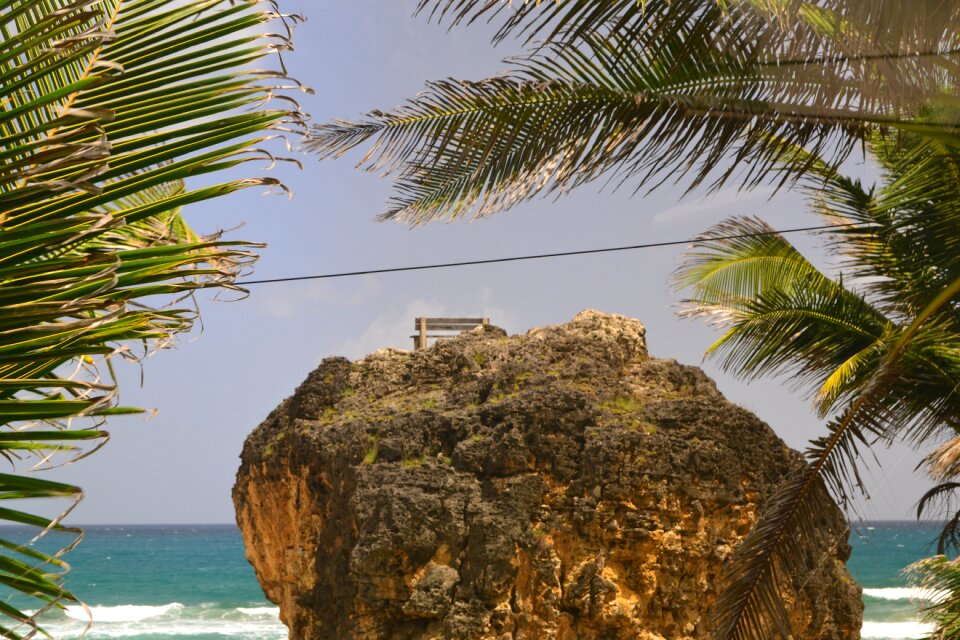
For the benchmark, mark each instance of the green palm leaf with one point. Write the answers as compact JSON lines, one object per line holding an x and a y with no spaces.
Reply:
{"x":783,"y":315}
{"x":949,"y":537}
{"x":571,"y":116}
{"x":902,"y":23}
{"x":633,"y":91}
{"x":941,"y":578}
{"x":110,"y":108}
{"x":767,"y":564}
{"x":888,"y":364}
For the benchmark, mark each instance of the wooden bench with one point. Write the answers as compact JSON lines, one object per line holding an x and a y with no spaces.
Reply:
{"x":424,"y":327}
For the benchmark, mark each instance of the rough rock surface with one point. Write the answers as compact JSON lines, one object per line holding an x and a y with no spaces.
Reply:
{"x":561,"y":484}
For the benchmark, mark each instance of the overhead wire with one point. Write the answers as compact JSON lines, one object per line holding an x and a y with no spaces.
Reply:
{"x":542,"y":256}
{"x":650,"y":245}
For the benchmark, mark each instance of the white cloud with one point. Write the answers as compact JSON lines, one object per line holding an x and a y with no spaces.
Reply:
{"x":726,"y":201}
{"x":392,"y":329}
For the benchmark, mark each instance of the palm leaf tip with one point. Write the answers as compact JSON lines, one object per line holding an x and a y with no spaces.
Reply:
{"x":334,"y":139}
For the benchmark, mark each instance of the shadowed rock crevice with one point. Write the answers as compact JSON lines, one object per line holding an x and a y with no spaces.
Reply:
{"x":560,"y":484}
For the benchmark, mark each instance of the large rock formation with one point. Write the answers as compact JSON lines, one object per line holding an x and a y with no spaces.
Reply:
{"x":558,"y":485}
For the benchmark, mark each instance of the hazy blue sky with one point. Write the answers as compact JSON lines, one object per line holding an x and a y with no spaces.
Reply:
{"x":216,"y":386}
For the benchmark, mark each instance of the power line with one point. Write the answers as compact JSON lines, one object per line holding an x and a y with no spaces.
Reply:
{"x":541,"y":256}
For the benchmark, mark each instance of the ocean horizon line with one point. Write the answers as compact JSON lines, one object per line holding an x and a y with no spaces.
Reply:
{"x":885,"y":521}
{"x":82,"y":525}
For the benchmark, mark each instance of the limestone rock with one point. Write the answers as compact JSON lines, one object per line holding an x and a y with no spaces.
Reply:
{"x":557,"y":485}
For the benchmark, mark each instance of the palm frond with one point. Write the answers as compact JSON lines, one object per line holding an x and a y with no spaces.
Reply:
{"x":940,"y":577}
{"x":897,"y":398}
{"x":894,"y":380}
{"x":940,"y":498}
{"x":534,"y":19}
{"x":917,"y":222}
{"x":633,"y":110}
{"x":767,"y":564}
{"x":735,"y":261}
{"x":773,"y":561}
{"x":635,"y":90}
{"x":781,"y":314}
{"x":897,"y":242}
{"x":162,"y":228}
{"x":944,"y":461}
{"x":108,"y":107}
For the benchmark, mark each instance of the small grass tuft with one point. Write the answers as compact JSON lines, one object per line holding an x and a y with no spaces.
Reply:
{"x":413,"y":463}
{"x":622,"y":405}
{"x":371,"y":456}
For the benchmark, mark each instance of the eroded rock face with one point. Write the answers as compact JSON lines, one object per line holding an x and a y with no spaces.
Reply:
{"x":557,"y":485}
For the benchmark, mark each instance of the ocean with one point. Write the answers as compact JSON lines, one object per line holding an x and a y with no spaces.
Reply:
{"x":881,"y":550}
{"x":193,"y":583}
{"x":177,"y":582}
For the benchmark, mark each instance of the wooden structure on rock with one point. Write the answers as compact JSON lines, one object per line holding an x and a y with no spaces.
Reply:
{"x":424,"y":327}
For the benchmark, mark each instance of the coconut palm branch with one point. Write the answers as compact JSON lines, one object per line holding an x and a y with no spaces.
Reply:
{"x":640,"y":93}
{"x":769,"y":565}
{"x":115,"y":115}
{"x":940,"y":578}
{"x":783,"y":315}
{"x":879,"y":348}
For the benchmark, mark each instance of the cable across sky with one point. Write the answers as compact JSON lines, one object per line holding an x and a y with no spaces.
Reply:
{"x":540,"y":256}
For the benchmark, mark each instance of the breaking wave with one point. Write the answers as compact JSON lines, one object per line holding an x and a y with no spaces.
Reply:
{"x":251,"y":622}
{"x":910,"y":630}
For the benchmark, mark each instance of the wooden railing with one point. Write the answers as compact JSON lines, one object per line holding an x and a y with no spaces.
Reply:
{"x":425,"y":326}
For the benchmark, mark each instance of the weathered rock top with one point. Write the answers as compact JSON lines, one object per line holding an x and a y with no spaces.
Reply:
{"x":558,"y":484}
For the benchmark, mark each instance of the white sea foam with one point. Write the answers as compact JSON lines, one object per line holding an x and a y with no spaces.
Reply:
{"x":903,"y":593}
{"x":895,"y":630}
{"x":260,"y":611}
{"x":122,"y":613}
{"x":262,"y":623}
{"x":190,"y":629}
{"x":174,"y":619}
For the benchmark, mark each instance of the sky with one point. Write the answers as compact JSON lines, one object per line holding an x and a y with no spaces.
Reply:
{"x":220,"y":382}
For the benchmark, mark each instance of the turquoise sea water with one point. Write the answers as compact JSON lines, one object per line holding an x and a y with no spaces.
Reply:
{"x":881,"y":550}
{"x":165,"y":583}
{"x":193,"y":583}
